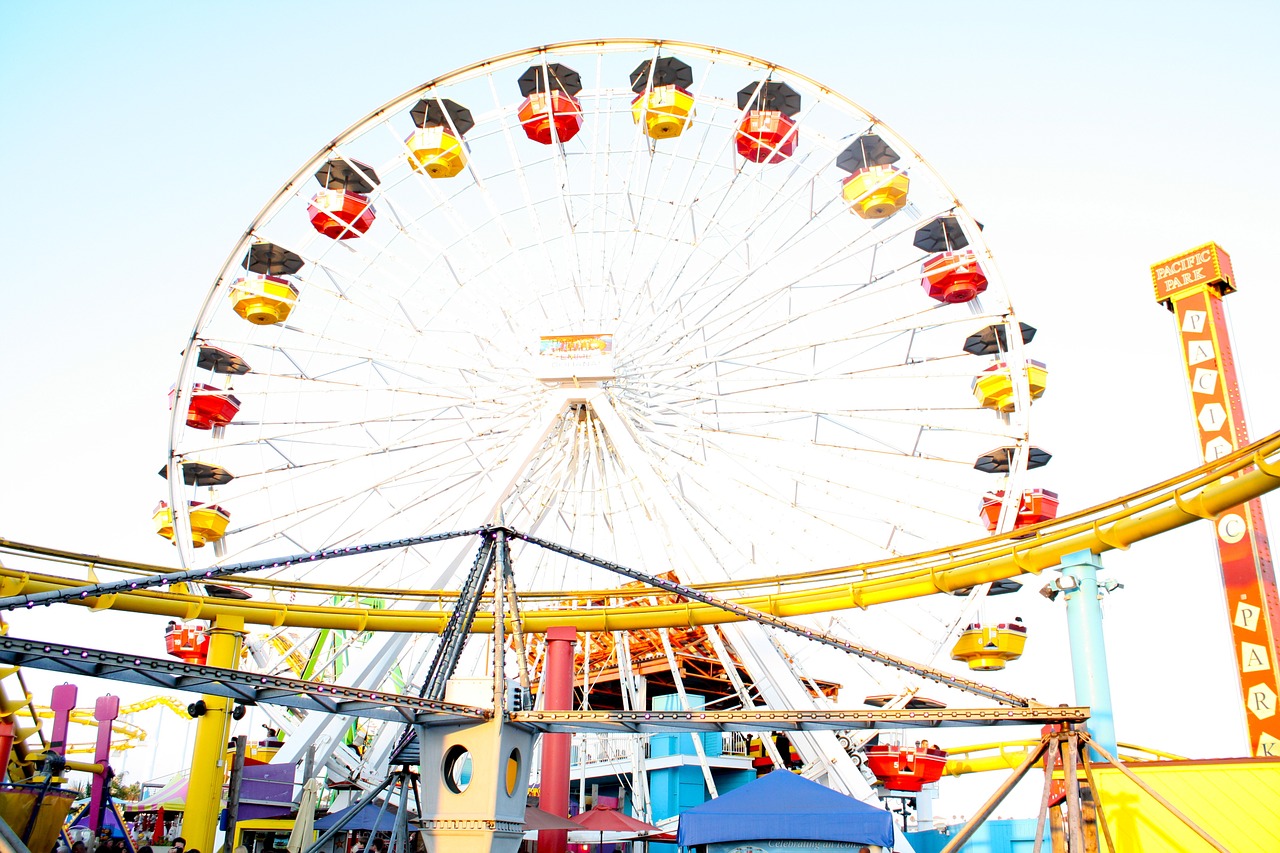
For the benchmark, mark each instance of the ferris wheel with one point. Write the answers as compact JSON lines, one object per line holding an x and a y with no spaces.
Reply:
{"x":670,"y":305}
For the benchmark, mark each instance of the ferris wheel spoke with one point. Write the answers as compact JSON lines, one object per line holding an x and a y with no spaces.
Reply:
{"x":684,"y":202}
{"x":718,"y":298}
{"x":535,"y":221}
{"x":425,"y":428}
{"x":746,"y":483}
{"x":724,"y":197}
{"x":727,"y":346}
{"x":874,"y":453}
{"x":867,"y":241}
{"x":860,"y":424}
{"x":449,"y":474}
{"x":743,"y":235}
{"x":863,"y":516}
{"x":330,"y":351}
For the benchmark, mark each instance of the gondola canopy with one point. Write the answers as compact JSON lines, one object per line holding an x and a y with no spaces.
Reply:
{"x":943,"y":234}
{"x":866,"y":150}
{"x":994,"y":339}
{"x":347,"y":176}
{"x":667,"y":71}
{"x":769,"y":95}
{"x":441,"y":112}
{"x":998,"y":461}
{"x":270,"y":259}
{"x":562,"y":78}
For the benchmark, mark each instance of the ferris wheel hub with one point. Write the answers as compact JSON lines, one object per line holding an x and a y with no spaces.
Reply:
{"x":578,"y":360}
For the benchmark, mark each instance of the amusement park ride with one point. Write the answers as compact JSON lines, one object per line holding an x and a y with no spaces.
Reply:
{"x":601,"y":394}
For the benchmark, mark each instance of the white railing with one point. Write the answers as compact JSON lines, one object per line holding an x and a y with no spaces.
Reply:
{"x":599,"y":748}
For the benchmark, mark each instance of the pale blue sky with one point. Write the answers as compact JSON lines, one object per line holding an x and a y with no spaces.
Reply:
{"x":1091,"y":138}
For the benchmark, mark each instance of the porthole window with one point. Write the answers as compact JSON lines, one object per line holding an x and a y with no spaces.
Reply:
{"x":513,"y":772}
{"x":457,"y":769}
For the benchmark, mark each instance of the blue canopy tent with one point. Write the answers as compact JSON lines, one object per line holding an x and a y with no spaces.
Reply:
{"x":365,"y":819}
{"x":782,"y":805}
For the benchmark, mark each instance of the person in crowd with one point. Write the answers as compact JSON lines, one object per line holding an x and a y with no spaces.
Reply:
{"x":180,"y":844}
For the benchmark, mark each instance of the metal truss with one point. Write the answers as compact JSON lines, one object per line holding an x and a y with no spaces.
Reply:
{"x":167,"y":577}
{"x":462,"y":616}
{"x":248,"y":688}
{"x":643,"y":722}
{"x":771,"y":621}
{"x":333,"y":699}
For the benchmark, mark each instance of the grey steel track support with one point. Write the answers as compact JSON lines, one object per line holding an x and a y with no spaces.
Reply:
{"x":245,"y":687}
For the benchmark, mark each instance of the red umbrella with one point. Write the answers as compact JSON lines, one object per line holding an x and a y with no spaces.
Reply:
{"x":535,"y":818}
{"x":611,"y":820}
{"x":157,"y":834}
{"x":604,"y":820}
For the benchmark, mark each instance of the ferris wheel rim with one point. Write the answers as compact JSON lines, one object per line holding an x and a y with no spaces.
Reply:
{"x":381,"y":116}
{"x":464,"y":72}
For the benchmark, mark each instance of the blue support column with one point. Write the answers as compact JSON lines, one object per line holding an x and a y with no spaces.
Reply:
{"x":1088,"y":650}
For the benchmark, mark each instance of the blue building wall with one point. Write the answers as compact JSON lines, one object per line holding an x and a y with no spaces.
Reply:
{"x":673,"y":790}
{"x":681,"y":743}
{"x":994,"y":836}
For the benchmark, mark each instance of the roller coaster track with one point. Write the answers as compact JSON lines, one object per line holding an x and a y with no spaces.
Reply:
{"x":125,"y":735}
{"x":1007,"y":755}
{"x":1202,"y":493}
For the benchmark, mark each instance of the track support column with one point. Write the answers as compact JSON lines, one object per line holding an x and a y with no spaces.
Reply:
{"x":208,"y":759}
{"x":557,"y":693}
{"x":1079,"y":584}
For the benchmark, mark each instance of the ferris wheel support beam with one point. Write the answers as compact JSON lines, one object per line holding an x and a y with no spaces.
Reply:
{"x":698,"y":747}
{"x":769,"y":670}
{"x":377,"y":659}
{"x":744,"y":695}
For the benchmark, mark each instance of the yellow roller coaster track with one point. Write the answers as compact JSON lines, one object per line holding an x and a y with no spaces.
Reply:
{"x":125,"y":735}
{"x":1007,"y":755}
{"x":1202,"y":493}
{"x":120,"y":727}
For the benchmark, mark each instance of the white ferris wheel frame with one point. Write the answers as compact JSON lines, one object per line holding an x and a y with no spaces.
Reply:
{"x":377,"y":658}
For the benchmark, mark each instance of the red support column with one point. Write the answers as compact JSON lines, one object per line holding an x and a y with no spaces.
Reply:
{"x":557,"y":693}
{"x":6,"y":748}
